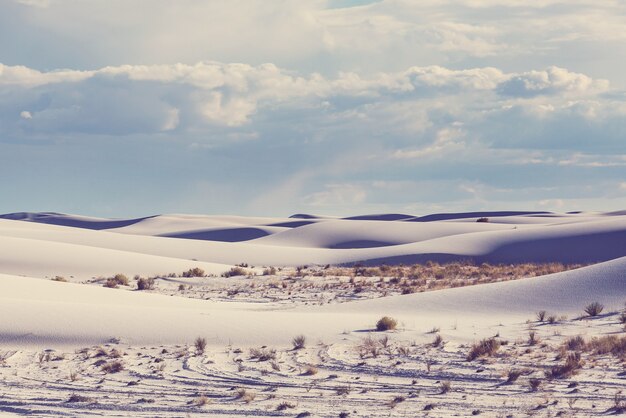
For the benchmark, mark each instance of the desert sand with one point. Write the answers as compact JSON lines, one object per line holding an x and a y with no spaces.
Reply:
{"x":73,"y":347}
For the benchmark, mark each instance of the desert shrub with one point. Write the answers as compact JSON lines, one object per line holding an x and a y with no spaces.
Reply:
{"x":512,"y":375}
{"x":541,"y":316}
{"x":145,"y":283}
{"x":200,"y":345}
{"x":534,"y":384}
{"x":298,"y":342}
{"x":245,"y":395}
{"x":369,"y":347}
{"x":201,"y":401}
{"x":573,"y":363}
{"x":194,"y":272}
{"x":437,"y":341}
{"x":285,"y":405}
{"x":121,"y":279}
{"x":263,"y":354}
{"x":342,"y":390}
{"x":482,"y":220}
{"x":386,"y":323}
{"x":551,"y":319}
{"x":575,"y":343}
{"x":110,"y":283}
{"x":485,"y":347}
{"x":235,"y":271}
{"x":78,"y":398}
{"x":608,"y":344}
{"x":271,"y":271}
{"x":594,"y":309}
{"x":113,"y":367}
{"x":59,"y":279}
{"x":533,"y":339}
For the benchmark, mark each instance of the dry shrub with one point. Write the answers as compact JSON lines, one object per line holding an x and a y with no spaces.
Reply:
{"x":245,"y":395}
{"x":200,"y":345}
{"x":437,"y":341}
{"x":201,"y":401}
{"x":608,"y":344}
{"x":534,"y":384}
{"x":573,"y":363}
{"x":541,"y":316}
{"x":59,"y":279}
{"x":574,"y":343}
{"x":485,"y":347}
{"x":235,"y":271}
{"x":298,"y":342}
{"x":113,"y":367}
{"x":512,"y":375}
{"x":285,"y":405}
{"x":145,"y":283}
{"x":263,"y":354}
{"x":533,"y":339}
{"x":594,"y":309}
{"x":194,"y":272}
{"x":386,"y":323}
{"x":79,"y":398}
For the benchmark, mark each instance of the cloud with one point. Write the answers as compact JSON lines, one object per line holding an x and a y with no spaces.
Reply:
{"x":551,"y":81}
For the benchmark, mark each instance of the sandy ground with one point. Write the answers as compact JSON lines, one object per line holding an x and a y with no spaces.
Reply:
{"x":77,"y":348}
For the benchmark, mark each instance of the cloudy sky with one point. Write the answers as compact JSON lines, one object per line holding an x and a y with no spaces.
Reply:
{"x":136,"y":107}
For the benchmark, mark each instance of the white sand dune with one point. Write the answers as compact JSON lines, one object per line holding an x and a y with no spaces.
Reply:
{"x":570,"y":238}
{"x":46,"y":313}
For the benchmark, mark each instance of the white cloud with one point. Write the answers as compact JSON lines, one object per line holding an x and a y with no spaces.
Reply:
{"x":26,"y":114}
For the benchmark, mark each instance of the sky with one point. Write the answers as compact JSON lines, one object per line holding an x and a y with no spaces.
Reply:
{"x":122,"y":108}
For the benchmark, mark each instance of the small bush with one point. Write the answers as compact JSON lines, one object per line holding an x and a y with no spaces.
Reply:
{"x":575,"y":343}
{"x":572,"y":364}
{"x":235,"y":271}
{"x":245,"y":395}
{"x":194,"y":272}
{"x":110,"y":283}
{"x":482,"y":220}
{"x":59,"y":279}
{"x":533,"y":339}
{"x":299,"y":342}
{"x":200,"y":345}
{"x":112,"y":367}
{"x":121,"y":279}
{"x":541,"y":316}
{"x":202,"y":400}
{"x":594,"y":309}
{"x":386,"y":323}
{"x":285,"y":405}
{"x":78,"y":398}
{"x":512,"y":376}
{"x":437,"y":341}
{"x":262,"y":354}
{"x":145,"y":284}
{"x":534,"y":384}
{"x":486,"y":347}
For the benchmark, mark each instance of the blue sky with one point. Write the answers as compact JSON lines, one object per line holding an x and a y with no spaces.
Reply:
{"x":127,"y":108}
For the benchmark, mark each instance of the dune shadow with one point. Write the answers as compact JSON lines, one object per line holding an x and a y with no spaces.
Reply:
{"x":222,"y":235}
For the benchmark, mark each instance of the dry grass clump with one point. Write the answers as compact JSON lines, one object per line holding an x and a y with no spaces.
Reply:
{"x":534,"y":384}
{"x":574,"y":343}
{"x":386,"y":323}
{"x":484,"y":348}
{"x":201,"y":401}
{"x":572,"y":364}
{"x":263,"y":354}
{"x":298,"y":342}
{"x":200,"y":345}
{"x":79,"y":398}
{"x":112,"y":367}
{"x":533,"y":339}
{"x":245,"y":395}
{"x":194,"y":272}
{"x":512,"y":375}
{"x":608,"y":344}
{"x":235,"y":271}
{"x":594,"y":309}
{"x":285,"y":405}
{"x":541,"y":316}
{"x":438,"y":341}
{"x":145,"y":283}
{"x":59,"y":279}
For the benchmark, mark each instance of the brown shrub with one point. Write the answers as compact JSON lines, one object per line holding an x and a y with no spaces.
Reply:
{"x":485,"y":347}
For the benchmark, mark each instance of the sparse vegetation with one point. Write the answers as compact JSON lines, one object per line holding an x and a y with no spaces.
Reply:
{"x":263,"y":354}
{"x":115,"y":366}
{"x":485,"y":347}
{"x":194,"y":272}
{"x":145,"y":283}
{"x":386,"y":323}
{"x":200,"y":345}
{"x":298,"y":342}
{"x":594,"y":309}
